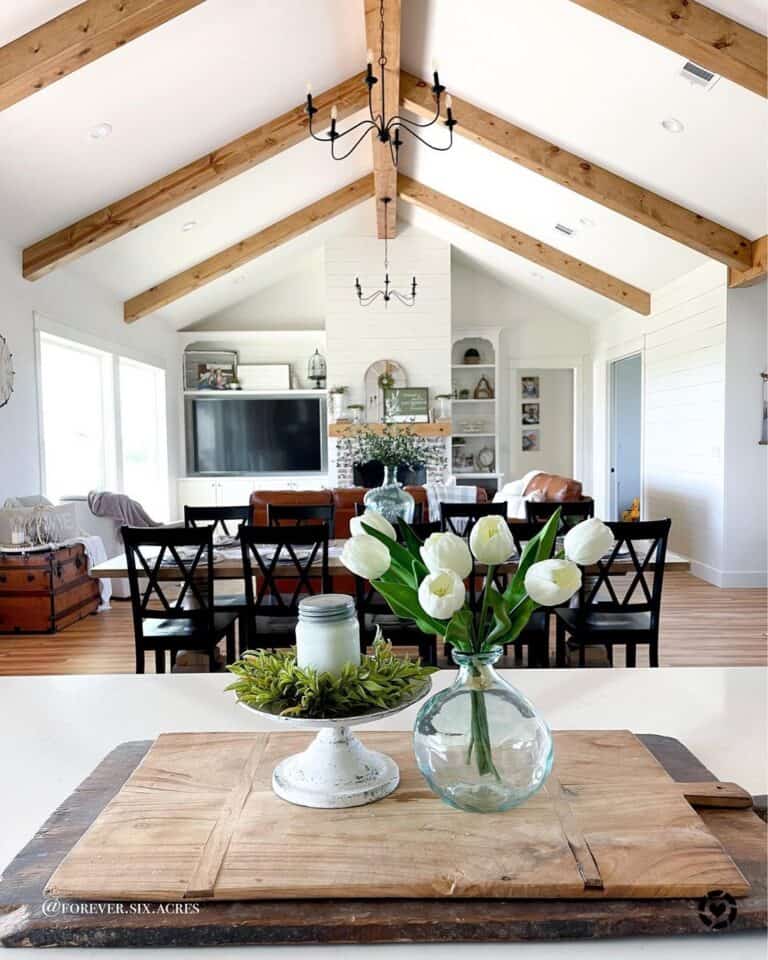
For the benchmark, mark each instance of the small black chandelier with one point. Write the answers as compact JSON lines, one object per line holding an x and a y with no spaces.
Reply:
{"x":387,"y":130}
{"x":407,"y":299}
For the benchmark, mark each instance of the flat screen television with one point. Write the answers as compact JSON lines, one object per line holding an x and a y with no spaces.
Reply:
{"x":237,"y":434}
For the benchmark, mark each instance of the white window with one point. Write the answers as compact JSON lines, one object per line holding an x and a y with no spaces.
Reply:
{"x":103,"y":424}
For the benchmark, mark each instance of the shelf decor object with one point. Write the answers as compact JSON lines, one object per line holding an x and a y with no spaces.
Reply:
{"x":477,"y":381}
{"x":317,"y":369}
{"x":386,"y":128}
{"x":406,"y":405}
{"x":7,"y":373}
{"x":209,"y":369}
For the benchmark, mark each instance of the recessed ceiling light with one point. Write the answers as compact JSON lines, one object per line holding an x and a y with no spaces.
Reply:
{"x":587,"y":222}
{"x":672,"y":125}
{"x":100,"y":132}
{"x":189,"y":225}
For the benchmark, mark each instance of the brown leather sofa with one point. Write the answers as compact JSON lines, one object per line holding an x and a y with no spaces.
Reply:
{"x":342,"y":498}
{"x":551,"y":487}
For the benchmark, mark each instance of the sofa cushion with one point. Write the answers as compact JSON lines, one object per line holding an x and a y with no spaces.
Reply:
{"x":293,"y":498}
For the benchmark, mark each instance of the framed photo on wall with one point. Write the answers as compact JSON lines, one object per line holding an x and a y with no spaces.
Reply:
{"x":530,"y":413}
{"x":529,"y":388}
{"x":531,"y":441}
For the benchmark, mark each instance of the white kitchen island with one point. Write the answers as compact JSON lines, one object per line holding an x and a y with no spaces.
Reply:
{"x":55,"y":730}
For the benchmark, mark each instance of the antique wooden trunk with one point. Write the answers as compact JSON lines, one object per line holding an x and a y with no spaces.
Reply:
{"x":45,"y":591}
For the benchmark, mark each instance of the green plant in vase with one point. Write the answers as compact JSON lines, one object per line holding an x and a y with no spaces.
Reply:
{"x":480,"y":744}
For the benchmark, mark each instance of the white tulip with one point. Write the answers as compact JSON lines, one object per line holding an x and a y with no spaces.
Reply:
{"x":441,"y":594}
{"x":588,"y":541}
{"x":366,"y":556}
{"x":551,"y":582}
{"x":446,"y":551}
{"x":372,"y":518}
{"x":490,"y":540}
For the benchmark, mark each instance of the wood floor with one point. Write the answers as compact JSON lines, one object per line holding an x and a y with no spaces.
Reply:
{"x":702,"y":625}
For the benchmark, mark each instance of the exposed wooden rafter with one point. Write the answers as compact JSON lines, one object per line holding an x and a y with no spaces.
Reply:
{"x":524,"y":246}
{"x":249,"y":249}
{"x":75,"y":38}
{"x":697,"y":33}
{"x":184,"y":184}
{"x":384,"y":171}
{"x":758,"y":270}
{"x":580,"y":175}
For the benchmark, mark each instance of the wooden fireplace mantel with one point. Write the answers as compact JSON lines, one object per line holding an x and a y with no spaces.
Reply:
{"x":442,"y":429}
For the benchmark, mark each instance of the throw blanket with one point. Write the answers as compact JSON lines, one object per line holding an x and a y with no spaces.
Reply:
{"x":514,"y":494}
{"x":119,"y":507}
{"x":438,"y":493}
{"x":95,"y":552}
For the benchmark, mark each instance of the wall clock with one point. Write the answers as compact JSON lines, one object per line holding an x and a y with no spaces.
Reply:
{"x":6,"y":372}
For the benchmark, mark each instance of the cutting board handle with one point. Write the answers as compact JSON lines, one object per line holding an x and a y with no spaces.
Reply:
{"x":713,"y":793}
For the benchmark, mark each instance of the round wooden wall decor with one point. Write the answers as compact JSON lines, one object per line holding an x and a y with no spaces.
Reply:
{"x":7,"y":372}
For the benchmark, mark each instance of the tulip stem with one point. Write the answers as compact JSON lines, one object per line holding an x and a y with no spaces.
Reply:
{"x":480,"y":633}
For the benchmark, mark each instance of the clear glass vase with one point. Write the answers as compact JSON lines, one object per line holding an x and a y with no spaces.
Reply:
{"x":481,"y":746}
{"x":390,"y":499}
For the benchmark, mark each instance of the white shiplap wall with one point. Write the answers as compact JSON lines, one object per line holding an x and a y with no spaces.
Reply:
{"x":683,"y":348}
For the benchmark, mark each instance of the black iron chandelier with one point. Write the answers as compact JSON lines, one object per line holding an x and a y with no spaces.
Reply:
{"x":387,"y":129}
{"x":407,"y":299}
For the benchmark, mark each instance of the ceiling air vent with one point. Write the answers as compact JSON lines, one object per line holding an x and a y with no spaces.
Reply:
{"x":561,"y":228}
{"x":699,"y":76}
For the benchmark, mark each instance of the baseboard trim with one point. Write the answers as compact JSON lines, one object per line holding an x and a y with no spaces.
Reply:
{"x":729,"y":578}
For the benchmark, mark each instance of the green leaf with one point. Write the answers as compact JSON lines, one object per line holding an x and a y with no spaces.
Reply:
{"x":404,"y":602}
{"x":459,"y":632}
{"x":538,"y":548}
{"x":520,"y":618}
{"x":410,"y":540}
{"x":501,"y":621}
{"x":401,"y":557}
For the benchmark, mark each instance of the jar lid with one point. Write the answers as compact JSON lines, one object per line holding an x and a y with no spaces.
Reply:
{"x":326,"y":607}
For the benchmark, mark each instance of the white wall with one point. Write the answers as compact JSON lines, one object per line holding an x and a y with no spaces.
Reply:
{"x":746,"y":462}
{"x":67,"y":298}
{"x":550,"y":342}
{"x":683,"y":345}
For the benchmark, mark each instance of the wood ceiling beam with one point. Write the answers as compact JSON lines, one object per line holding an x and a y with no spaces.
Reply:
{"x":524,"y":246}
{"x":384,"y":171}
{"x":75,"y":38}
{"x":580,"y":175}
{"x":758,"y":270}
{"x":189,"y":181}
{"x":249,"y":249}
{"x":697,"y":33}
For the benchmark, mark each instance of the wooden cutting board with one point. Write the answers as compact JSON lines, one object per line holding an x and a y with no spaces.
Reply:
{"x":197,"y":820}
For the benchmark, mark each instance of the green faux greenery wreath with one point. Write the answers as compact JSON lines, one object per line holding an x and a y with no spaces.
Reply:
{"x":274,"y":682}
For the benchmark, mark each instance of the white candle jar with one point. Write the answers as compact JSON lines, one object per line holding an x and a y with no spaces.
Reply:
{"x":327,"y":634}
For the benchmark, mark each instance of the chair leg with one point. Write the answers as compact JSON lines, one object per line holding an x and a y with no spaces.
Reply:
{"x":542,"y":659}
{"x":582,"y":655}
{"x":159,"y":661}
{"x":174,"y":654}
{"x":653,"y":652}
{"x":559,"y":645}
{"x":631,"y":654}
{"x":231,"y":644}
{"x":609,"y":652}
{"x":519,"y":653}
{"x":140,"y":655}
{"x":212,"y":659}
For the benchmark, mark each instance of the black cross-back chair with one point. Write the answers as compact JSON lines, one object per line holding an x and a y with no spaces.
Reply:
{"x":298,"y":515}
{"x":227,"y":520}
{"x":535,"y":635}
{"x":620,"y":605}
{"x":571,"y":513}
{"x":163,"y":622}
{"x":373,"y":611}
{"x":276,"y":582}
{"x":418,"y":512}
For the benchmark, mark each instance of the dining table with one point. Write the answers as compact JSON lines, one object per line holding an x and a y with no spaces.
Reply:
{"x":228,"y":563}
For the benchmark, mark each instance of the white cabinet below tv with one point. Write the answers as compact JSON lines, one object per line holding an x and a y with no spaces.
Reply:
{"x":236,"y":491}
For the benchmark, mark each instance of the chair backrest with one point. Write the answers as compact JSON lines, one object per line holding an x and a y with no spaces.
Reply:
{"x":418,"y":511}
{"x":285,"y":567}
{"x":219,"y":517}
{"x":630,"y":577}
{"x":571,"y":513}
{"x":522,"y":532}
{"x":296,"y":515}
{"x":184,"y":558}
{"x":459,"y":518}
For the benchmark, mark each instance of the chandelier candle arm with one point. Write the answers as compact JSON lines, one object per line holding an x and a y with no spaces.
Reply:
{"x":387,"y":129}
{"x":387,"y":293}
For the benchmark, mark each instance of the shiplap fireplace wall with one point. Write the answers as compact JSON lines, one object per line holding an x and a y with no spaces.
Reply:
{"x":418,"y":337}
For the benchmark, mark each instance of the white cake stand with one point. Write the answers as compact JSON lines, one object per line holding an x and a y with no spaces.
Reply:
{"x":336,"y":770}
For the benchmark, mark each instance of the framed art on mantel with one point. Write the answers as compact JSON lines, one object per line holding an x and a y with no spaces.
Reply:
{"x":406,"y":405}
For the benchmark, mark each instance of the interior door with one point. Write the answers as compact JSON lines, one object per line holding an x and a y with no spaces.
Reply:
{"x":626,"y":417}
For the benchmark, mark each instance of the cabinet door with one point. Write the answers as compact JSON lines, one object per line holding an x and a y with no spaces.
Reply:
{"x":197,"y":492}
{"x":235,"y":491}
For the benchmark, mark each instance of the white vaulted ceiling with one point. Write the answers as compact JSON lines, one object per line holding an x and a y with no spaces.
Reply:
{"x":226,"y":66}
